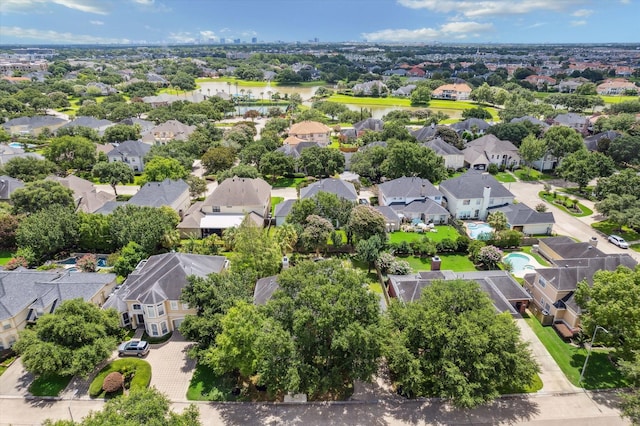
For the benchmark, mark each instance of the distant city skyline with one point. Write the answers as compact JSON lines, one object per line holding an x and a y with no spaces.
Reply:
{"x":254,"y":21}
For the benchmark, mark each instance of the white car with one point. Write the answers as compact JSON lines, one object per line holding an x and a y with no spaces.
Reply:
{"x":619,"y":241}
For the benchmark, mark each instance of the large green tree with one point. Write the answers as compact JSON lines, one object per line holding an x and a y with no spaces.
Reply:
{"x":562,"y":141}
{"x":582,"y":166}
{"x":122,"y":132}
{"x":276,"y":163}
{"x":367,"y":162}
{"x":411,"y":159}
{"x":255,"y":251}
{"x":451,"y":344}
{"x":143,"y":225}
{"x":48,"y":231}
{"x":160,"y":168}
{"x":71,"y":152}
{"x":38,"y":195}
{"x":113,"y":173}
{"x":532,"y":149}
{"x":366,"y":222}
{"x":72,"y":340}
{"x":321,"y":162}
{"x":219,"y":158}
{"x":29,"y":169}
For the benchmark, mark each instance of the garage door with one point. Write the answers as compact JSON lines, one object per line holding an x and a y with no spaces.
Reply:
{"x":177,"y":322}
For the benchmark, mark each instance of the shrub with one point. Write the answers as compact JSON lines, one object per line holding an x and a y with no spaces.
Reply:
{"x":541,"y":208}
{"x":490,"y":256}
{"x":87,"y":263}
{"x":136,"y":373}
{"x":400,"y":267}
{"x":423,"y":247}
{"x":474,"y":250}
{"x":463,"y":242}
{"x":384,"y":262}
{"x":447,"y":245}
{"x":15,"y":263}
{"x":113,"y":382}
{"x":493,"y":169}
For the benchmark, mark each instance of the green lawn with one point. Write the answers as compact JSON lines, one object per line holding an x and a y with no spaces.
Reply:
{"x":444,"y":231}
{"x":535,"y":385}
{"x":536,"y":256}
{"x":450,"y":262}
{"x":505,"y":177}
{"x":141,"y":375}
{"x":275,"y":201}
{"x":600,"y":373}
{"x":5,"y":256}
{"x":7,"y":362}
{"x":375,"y":287}
{"x":251,"y":83}
{"x":206,"y":385}
{"x":528,"y":175}
{"x":586,"y":211}
{"x":609,"y":228}
{"x":285,"y":182}
{"x":49,"y":385}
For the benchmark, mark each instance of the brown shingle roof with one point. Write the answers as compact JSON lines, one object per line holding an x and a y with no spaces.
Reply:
{"x":308,"y":127}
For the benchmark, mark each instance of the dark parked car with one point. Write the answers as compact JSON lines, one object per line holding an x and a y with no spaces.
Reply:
{"x":138,"y":348}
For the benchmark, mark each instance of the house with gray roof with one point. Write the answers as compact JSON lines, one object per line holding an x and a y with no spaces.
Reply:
{"x":577,"y":122}
{"x":392,"y":220}
{"x":85,"y":195}
{"x":8,"y":153}
{"x":341,"y":188}
{"x":264,"y":289}
{"x":404,"y":91}
{"x":295,"y":150}
{"x":425,"y":133}
{"x":471,"y":125}
{"x":170,"y":193}
{"x":553,"y":289}
{"x":7,"y":186}
{"x":591,"y":142}
{"x":523,"y":218}
{"x":488,"y":149}
{"x":168,"y":131}
{"x":99,"y":125}
{"x":228,"y":205}
{"x":27,"y":294}
{"x":474,"y":194}
{"x":131,"y":153}
{"x":413,"y":198}
{"x":33,"y":126}
{"x":453,"y":157}
{"x":145,"y":125}
{"x":504,"y":291}
{"x":282,"y":210}
{"x":530,"y":119}
{"x":150,"y":296}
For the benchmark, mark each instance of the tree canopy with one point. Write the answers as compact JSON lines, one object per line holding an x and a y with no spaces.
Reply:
{"x":71,"y":152}
{"x":113,"y":173}
{"x":35,"y":196}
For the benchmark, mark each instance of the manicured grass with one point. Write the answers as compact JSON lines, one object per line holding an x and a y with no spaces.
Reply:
{"x":5,"y":256}
{"x":49,"y":385}
{"x":444,"y":231}
{"x":206,"y":385}
{"x":450,"y":262}
{"x":285,"y":182}
{"x":141,"y":375}
{"x":536,"y":256}
{"x":7,"y":362}
{"x":609,"y":228}
{"x":364,"y":100}
{"x":275,"y":201}
{"x":505,"y":177}
{"x":251,"y":83}
{"x":535,"y":385}
{"x":586,"y":211}
{"x":375,"y":287}
{"x":618,"y":99}
{"x":600,"y":373}
{"x":532,"y":175}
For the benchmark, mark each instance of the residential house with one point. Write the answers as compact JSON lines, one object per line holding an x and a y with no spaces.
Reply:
{"x":150,"y":296}
{"x":145,"y":126}
{"x":398,"y":71}
{"x":392,"y":220}
{"x":33,"y":126}
{"x":523,"y":218}
{"x":571,"y":85}
{"x":264,"y":289}
{"x":104,"y":89}
{"x":131,"y":153}
{"x":27,"y":294}
{"x":488,"y":149}
{"x":416,"y":72}
{"x":474,"y":194}
{"x":413,"y":198}
{"x":369,"y":88}
{"x":295,"y":150}
{"x":7,"y":186}
{"x":576,"y":121}
{"x":341,"y":188}
{"x":541,"y":81}
{"x":453,"y":157}
{"x":456,"y":92}
{"x":8,"y":153}
{"x":532,"y":120}
{"x":425,"y":133}
{"x":170,"y":193}
{"x":282,"y":210}
{"x":85,"y":195}
{"x":616,"y":86}
{"x":310,"y":131}
{"x":471,"y":125}
{"x":553,"y":289}
{"x":168,"y":131}
{"x":91,"y":122}
{"x":227,"y":207}
{"x":404,"y":91}
{"x":505,"y":292}
{"x":591,"y":142}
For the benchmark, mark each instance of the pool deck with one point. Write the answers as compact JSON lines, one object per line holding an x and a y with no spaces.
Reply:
{"x":532,"y":261}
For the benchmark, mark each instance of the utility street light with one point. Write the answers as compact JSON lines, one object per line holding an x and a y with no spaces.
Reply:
{"x":593,"y":339}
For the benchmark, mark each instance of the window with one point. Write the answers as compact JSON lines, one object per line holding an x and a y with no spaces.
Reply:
{"x":215,"y":209}
{"x":185,"y":306}
{"x":478,"y":202}
{"x":466,"y":202}
{"x":161,"y":309}
{"x":154,"y":329}
{"x":163,"y":327}
{"x":542,"y":282}
{"x":6,"y":325}
{"x":136,"y":307}
{"x":125,"y":318}
{"x":174,"y":305}
{"x":151,"y":311}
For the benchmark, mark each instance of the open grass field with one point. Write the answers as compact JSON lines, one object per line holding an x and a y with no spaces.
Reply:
{"x":528,"y":175}
{"x":609,"y":228}
{"x":451,"y":262}
{"x":607,"y":99}
{"x":285,"y":182}
{"x":600,"y":372}
{"x":444,"y":231}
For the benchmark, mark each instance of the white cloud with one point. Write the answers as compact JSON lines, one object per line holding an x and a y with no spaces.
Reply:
{"x":58,"y":37}
{"x":88,"y":6}
{"x":207,"y":34}
{"x":578,"y":23}
{"x":535,"y":25}
{"x":144,"y":2}
{"x":96,"y":22}
{"x":455,"y":30}
{"x":625,"y":1}
{"x":582,"y":13}
{"x":248,"y":33}
{"x":483,"y":8}
{"x":182,"y":37}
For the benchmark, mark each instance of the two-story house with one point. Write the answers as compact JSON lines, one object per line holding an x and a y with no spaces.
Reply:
{"x":474,"y":194}
{"x":413,"y":198}
{"x":456,"y":92}
{"x":488,"y":149}
{"x":131,"y":153}
{"x":168,"y":131}
{"x":310,"y":131}
{"x":150,"y":296}
{"x":339,"y":187}
{"x":27,"y":294}
{"x":453,"y":157}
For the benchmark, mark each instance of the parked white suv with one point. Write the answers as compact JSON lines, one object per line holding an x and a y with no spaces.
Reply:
{"x":619,"y":241}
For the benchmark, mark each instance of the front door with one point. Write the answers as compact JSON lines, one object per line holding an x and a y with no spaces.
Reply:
{"x":140,"y":319}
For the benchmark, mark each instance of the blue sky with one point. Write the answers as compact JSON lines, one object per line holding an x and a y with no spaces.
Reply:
{"x":404,"y":21}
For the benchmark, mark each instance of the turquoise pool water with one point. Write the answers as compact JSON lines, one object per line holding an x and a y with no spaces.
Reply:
{"x":519,"y":262}
{"x":479,"y":231}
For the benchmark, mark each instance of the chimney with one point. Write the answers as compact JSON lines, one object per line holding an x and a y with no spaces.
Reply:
{"x":436,"y":263}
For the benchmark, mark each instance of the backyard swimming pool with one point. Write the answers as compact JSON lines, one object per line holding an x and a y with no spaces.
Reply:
{"x":519,"y":262}
{"x":19,"y":145}
{"x":479,"y":231}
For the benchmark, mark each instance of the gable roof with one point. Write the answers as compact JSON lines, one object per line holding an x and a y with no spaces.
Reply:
{"x":469,"y":124}
{"x":295,"y":150}
{"x":158,"y":194}
{"x":570,"y":119}
{"x":129,"y":148}
{"x":441,"y":147}
{"x":409,"y":187}
{"x":339,"y":187}
{"x":163,"y":276}
{"x":283,"y":208}
{"x":530,"y":119}
{"x":424,"y":133}
{"x":591,"y":142}
{"x":88,"y":121}
{"x":373,"y":124}
{"x":265,"y":287}
{"x":521,"y":214}
{"x":308,"y":127}
{"x":8,"y":185}
{"x":34,"y":122}
{"x":471,"y":185}
{"x":237,"y":191}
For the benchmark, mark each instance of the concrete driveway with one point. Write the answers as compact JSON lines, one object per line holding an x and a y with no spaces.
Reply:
{"x":171,"y":368}
{"x":15,"y":380}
